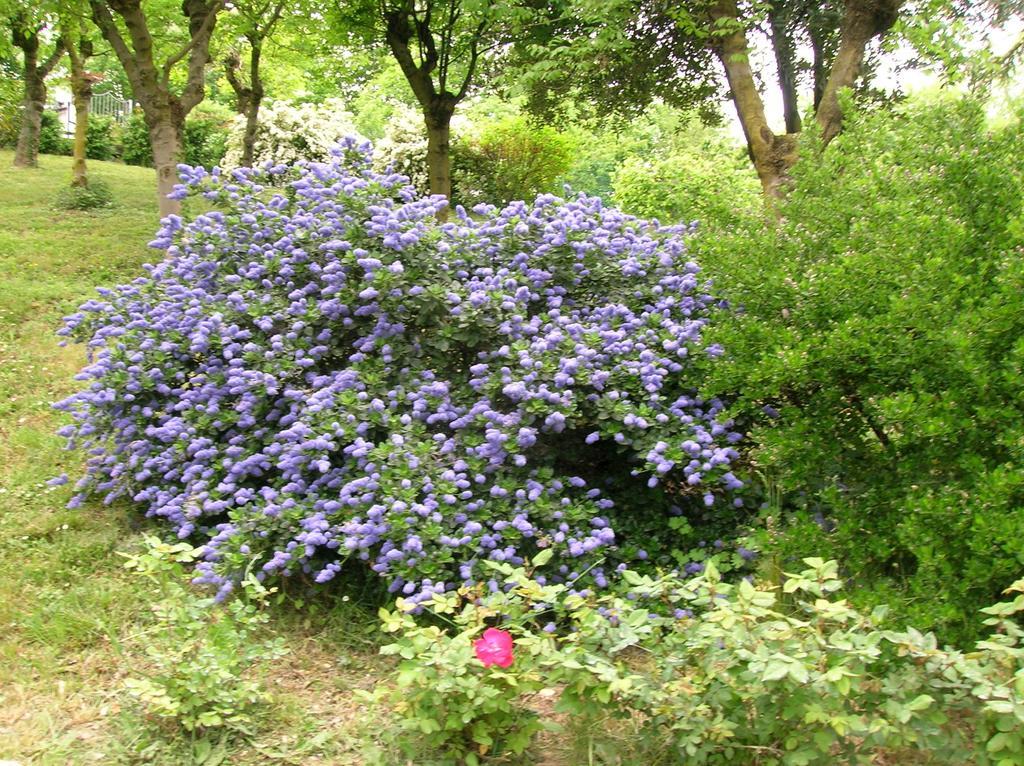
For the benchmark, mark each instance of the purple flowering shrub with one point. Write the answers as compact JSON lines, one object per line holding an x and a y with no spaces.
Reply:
{"x":321,"y":372}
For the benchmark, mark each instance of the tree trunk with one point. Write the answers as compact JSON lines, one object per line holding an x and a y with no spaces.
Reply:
{"x":151,"y":83}
{"x":438,"y":123}
{"x":252,"y":124}
{"x":252,"y":114}
{"x":248,"y":98}
{"x":862,"y":22}
{"x":818,"y":72}
{"x":165,"y":134}
{"x":81,"y":91}
{"x":772,"y":155}
{"x":785,"y":55}
{"x":26,"y":153}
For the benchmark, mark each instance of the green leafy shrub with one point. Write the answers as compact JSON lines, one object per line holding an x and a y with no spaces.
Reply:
{"x":512,"y":159}
{"x":601,"y":148}
{"x":448,"y":703}
{"x":51,"y":135}
{"x":205,"y":141}
{"x":135,"y":148}
{"x":876,"y":358}
{"x":711,"y":673}
{"x":710,"y":182}
{"x":199,"y":653}
{"x":96,"y":195}
{"x":101,"y":138}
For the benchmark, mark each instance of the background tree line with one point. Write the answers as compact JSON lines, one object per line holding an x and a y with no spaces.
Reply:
{"x":572,"y":62}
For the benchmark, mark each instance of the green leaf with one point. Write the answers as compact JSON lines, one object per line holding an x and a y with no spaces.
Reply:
{"x":201,"y":749}
{"x":775,"y":670}
{"x":543,"y":557}
{"x":429,"y":725}
{"x":747,"y":591}
{"x":1000,"y":741}
{"x":920,"y":702}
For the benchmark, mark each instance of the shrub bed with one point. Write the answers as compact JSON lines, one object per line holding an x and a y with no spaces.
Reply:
{"x":319,"y":372}
{"x":721,"y":674}
{"x":875,"y":358}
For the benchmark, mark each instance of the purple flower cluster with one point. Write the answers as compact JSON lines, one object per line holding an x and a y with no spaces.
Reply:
{"x":319,"y":371}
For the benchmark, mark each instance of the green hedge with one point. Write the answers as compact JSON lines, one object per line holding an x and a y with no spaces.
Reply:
{"x":205,"y":141}
{"x":877,"y":357}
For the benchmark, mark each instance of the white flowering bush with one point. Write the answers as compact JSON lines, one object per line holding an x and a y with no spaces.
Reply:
{"x":403,"y":148}
{"x":289,"y":133}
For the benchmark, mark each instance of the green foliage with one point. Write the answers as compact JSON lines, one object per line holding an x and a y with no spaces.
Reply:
{"x":512,"y":159}
{"x":51,"y":136}
{"x":199,"y":653}
{"x":1002,"y":697}
{"x":448,"y":703}
{"x":881,"y":317}
{"x":745,"y":675}
{"x":10,"y":106}
{"x":375,"y":105}
{"x":101,"y":138}
{"x":614,"y":59}
{"x":205,"y":140}
{"x":96,"y":195}
{"x":599,"y":153}
{"x":135,"y":142}
{"x":708,"y":181}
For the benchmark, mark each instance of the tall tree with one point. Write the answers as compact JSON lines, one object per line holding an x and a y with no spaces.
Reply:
{"x":440,"y":46}
{"x":256,"y":20}
{"x":28,"y":26}
{"x":636,"y":37}
{"x":80,"y":50}
{"x":127,"y":27}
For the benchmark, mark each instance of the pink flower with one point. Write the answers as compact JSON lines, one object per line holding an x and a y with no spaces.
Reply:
{"x":494,"y":648}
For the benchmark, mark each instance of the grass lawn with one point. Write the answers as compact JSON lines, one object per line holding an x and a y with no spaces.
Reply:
{"x":70,"y":615}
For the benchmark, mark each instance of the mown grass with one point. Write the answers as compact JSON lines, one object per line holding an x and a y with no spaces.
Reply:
{"x":68,"y":609}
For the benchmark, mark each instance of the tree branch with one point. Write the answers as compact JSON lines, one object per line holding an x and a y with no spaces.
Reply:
{"x":199,"y":55}
{"x":397,"y":33}
{"x":232,"y":67}
{"x":474,"y":56}
{"x":782,"y":44}
{"x":108,"y":28}
{"x":426,"y":40}
{"x":272,"y":22}
{"x":204,"y":32}
{"x":51,"y":61}
{"x":446,"y":45}
{"x":863,"y":21}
